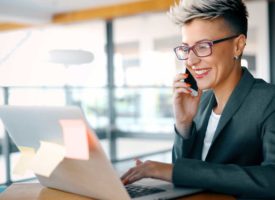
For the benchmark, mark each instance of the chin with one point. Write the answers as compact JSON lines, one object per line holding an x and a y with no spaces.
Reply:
{"x":204,"y":87}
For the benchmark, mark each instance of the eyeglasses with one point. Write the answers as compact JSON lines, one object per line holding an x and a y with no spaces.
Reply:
{"x":200,"y":49}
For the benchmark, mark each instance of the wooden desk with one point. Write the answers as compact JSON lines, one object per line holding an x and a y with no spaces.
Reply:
{"x":35,"y":191}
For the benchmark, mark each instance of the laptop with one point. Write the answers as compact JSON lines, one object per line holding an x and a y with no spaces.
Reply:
{"x":95,"y":178}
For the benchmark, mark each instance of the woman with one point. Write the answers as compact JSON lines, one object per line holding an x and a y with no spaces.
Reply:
{"x":224,"y":136}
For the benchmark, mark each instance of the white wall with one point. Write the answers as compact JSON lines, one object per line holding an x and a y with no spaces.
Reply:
{"x":258,"y":37}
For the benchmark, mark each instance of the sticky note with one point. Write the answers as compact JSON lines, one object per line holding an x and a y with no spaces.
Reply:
{"x":23,"y":164}
{"x":75,"y":139}
{"x":92,"y":140}
{"x":47,"y":158}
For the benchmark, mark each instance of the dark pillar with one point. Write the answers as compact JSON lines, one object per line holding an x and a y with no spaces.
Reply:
{"x":7,"y":143}
{"x":271,"y":11}
{"x":111,"y":92}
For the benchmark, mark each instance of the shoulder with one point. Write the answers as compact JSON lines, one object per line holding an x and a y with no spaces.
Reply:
{"x":257,"y":91}
{"x":261,"y":98}
{"x":263,"y":90}
{"x":261,"y":86}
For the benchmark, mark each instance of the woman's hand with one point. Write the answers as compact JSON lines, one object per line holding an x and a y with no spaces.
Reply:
{"x":148,"y":169}
{"x":185,"y":105}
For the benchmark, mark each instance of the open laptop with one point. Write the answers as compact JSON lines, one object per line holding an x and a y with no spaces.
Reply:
{"x":96,"y":178}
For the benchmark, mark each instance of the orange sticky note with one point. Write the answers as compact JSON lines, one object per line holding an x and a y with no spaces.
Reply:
{"x":75,"y":139}
{"x":23,"y":164}
{"x":47,"y":158}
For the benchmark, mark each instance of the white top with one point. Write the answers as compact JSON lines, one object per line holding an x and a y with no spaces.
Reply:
{"x":211,"y":129}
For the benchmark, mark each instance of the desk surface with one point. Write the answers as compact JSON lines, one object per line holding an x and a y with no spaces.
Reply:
{"x":34,"y":191}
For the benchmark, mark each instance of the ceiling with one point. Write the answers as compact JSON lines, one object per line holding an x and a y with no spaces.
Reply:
{"x":42,"y":11}
{"x":22,"y":13}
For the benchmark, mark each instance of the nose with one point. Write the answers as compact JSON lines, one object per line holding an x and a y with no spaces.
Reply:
{"x":192,"y":59}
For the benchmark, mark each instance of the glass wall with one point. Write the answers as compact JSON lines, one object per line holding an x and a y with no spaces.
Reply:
{"x":144,"y":69}
{"x":256,"y":55}
{"x":33,"y":75}
{"x":28,"y":57}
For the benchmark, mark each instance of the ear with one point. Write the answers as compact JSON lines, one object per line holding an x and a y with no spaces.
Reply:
{"x":239,"y":45}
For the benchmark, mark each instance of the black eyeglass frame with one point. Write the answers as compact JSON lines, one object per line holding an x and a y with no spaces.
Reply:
{"x":211,"y":43}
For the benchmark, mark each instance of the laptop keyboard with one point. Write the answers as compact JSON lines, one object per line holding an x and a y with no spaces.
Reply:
{"x":138,"y":190}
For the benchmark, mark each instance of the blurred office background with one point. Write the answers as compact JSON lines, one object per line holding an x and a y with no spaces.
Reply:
{"x":117,"y":64}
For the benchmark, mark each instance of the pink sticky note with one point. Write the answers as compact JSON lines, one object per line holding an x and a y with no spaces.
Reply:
{"x":75,"y":139}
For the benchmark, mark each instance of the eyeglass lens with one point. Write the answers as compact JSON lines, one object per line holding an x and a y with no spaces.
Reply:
{"x":201,"y":49}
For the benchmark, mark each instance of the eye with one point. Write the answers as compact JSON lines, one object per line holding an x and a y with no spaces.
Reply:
{"x":202,"y":46}
{"x":184,"y":49}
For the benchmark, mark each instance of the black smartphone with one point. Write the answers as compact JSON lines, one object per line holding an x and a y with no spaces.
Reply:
{"x":191,"y":80}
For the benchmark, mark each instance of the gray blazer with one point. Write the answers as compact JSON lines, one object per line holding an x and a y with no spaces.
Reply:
{"x":241,"y":159}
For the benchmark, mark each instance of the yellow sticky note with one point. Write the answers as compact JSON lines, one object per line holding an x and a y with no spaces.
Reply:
{"x":47,"y":158}
{"x":23,"y":164}
{"x":75,"y":139}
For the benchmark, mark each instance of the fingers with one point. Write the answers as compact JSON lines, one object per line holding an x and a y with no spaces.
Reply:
{"x":132,"y":175}
{"x":179,"y":91}
{"x":180,"y":76}
{"x":148,"y":169}
{"x":138,"y":162}
{"x":127,"y":173}
{"x":135,"y":173}
{"x":179,"y":86}
{"x":133,"y":178}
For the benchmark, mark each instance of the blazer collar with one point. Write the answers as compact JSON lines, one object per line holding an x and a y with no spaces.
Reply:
{"x":235,"y":100}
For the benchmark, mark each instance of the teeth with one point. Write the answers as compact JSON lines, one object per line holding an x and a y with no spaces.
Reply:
{"x":200,"y":72}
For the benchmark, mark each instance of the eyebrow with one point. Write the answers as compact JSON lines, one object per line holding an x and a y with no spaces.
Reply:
{"x":183,"y":43}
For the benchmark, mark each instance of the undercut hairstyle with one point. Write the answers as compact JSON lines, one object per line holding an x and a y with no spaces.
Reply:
{"x":234,"y":12}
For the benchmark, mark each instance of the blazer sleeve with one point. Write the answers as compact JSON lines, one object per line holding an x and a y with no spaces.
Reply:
{"x":182,"y":146}
{"x":243,"y":181}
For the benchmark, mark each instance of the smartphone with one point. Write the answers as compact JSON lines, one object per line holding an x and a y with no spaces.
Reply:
{"x":191,"y":80}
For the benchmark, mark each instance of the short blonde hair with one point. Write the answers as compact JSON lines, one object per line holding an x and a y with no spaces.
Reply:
{"x":234,"y":12}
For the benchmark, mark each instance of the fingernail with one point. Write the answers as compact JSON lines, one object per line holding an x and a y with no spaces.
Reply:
{"x":125,"y":181}
{"x":188,"y":85}
{"x":185,"y":75}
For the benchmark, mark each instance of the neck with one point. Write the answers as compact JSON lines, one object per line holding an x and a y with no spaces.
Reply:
{"x":224,"y":90}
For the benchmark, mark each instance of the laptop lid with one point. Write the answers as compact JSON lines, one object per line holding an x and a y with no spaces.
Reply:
{"x":28,"y":125}
{"x":96,"y":178}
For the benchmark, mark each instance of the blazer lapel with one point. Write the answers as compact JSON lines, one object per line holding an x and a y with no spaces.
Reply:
{"x":201,"y":122}
{"x":235,"y":101}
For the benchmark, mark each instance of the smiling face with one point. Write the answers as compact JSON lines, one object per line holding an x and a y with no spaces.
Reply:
{"x":220,"y":68}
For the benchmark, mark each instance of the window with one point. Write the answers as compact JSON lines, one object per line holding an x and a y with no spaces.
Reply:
{"x":32,"y":78}
{"x":145,"y":66}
